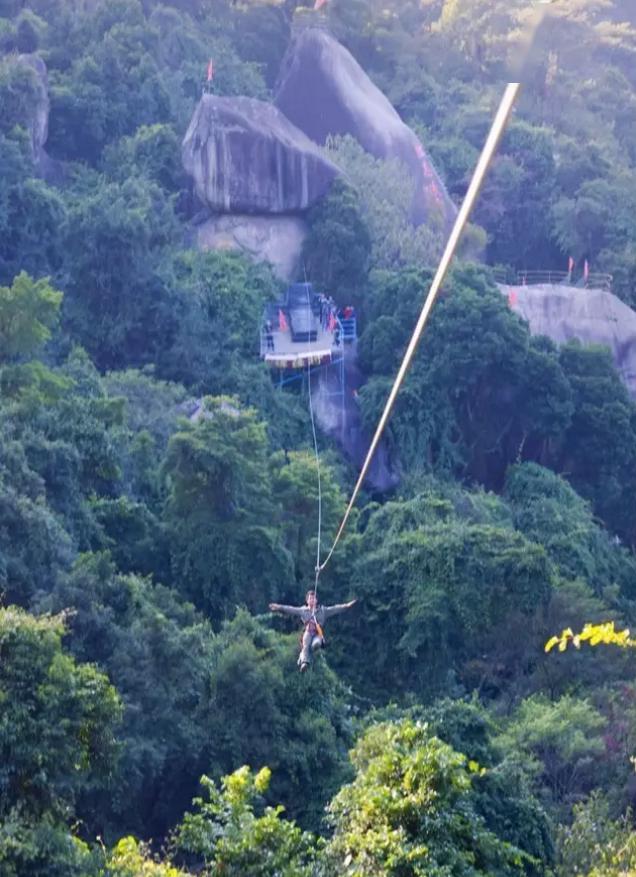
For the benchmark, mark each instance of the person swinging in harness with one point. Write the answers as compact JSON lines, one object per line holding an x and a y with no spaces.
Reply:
{"x":313,"y":617}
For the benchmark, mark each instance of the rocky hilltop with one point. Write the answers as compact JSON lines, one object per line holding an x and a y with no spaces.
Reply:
{"x":593,"y":316}
{"x":244,"y":156}
{"x":37,"y":120}
{"x":324,"y":91}
{"x":257,"y":167}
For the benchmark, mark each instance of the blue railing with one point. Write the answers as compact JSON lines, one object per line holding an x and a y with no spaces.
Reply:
{"x":349,"y":328}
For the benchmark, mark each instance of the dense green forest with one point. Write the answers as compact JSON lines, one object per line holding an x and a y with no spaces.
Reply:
{"x":152,"y":719}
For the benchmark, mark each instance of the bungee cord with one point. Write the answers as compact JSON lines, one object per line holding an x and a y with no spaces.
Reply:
{"x":313,"y":429}
{"x":499,"y":124}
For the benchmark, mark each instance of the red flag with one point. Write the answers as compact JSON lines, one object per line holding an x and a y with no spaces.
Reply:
{"x":282,"y":322}
{"x":586,"y":271}
{"x":570,"y":265}
{"x":319,"y":4}
{"x":210,"y":70}
{"x":512,"y":298}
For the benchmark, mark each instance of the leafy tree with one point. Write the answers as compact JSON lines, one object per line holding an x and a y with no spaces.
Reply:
{"x":410,"y":811}
{"x":564,"y":741}
{"x":34,"y":214}
{"x":502,"y":793}
{"x":29,"y":30}
{"x":216,"y":306}
{"x":231,"y":839}
{"x":28,"y":310}
{"x":129,"y":858}
{"x":221,"y":519}
{"x":465,"y":605}
{"x":115,"y":292}
{"x":481,"y":393}
{"x":34,"y":548}
{"x":57,"y":734}
{"x":599,"y":447}
{"x":158,"y":653}
{"x":516,"y":192}
{"x":385,"y":192}
{"x":59,"y":717}
{"x":20,"y":91}
{"x":151,"y":152}
{"x":594,"y":844}
{"x":294,"y":481}
{"x":337,"y":249}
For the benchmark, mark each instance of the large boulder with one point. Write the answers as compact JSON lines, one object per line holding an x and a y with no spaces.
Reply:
{"x":594,"y":316}
{"x":36,"y":121}
{"x":323,"y":90}
{"x":274,"y":239}
{"x":244,"y":156}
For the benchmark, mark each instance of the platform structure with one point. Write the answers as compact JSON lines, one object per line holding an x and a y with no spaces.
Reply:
{"x":303,"y":334}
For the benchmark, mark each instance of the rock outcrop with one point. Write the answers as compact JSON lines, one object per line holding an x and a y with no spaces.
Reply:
{"x":594,"y":316}
{"x":274,"y":239}
{"x":323,"y":90}
{"x":37,"y":121}
{"x":244,"y":156}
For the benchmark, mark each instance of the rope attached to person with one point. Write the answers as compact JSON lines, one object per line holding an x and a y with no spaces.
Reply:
{"x":485,"y":159}
{"x":313,"y":430}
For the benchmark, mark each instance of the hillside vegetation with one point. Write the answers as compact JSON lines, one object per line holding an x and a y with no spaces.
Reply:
{"x":152,"y":719}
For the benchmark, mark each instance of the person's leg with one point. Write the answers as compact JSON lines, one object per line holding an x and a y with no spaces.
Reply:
{"x":317,"y":643}
{"x":304,"y":658}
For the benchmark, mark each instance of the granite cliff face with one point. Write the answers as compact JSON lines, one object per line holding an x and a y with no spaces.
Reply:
{"x":257,"y":167}
{"x":37,"y":122}
{"x":323,"y":90}
{"x":244,"y":156}
{"x":594,"y":316}
{"x":274,"y":239}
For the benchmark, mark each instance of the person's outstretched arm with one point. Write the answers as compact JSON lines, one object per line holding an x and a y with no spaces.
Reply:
{"x":286,"y":610}
{"x":338,"y":608}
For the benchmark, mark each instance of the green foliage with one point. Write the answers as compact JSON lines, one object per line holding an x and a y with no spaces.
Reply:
{"x":503,"y":796}
{"x":224,"y":544}
{"x":20,"y":90}
{"x":459,"y":588}
{"x":563,"y":742}
{"x":31,"y":220}
{"x":157,"y":652}
{"x":337,"y":249}
{"x":410,"y":811}
{"x":385,"y":194}
{"x":57,"y":728}
{"x":58,"y":718}
{"x":599,"y":448}
{"x":294,"y":485}
{"x":465,"y":600}
{"x":129,"y":858}
{"x":264,"y":708}
{"x":595,"y":845}
{"x":217,"y":304}
{"x":232,"y":840}
{"x":548,"y":511}
{"x":45,"y":848}
{"x":152,"y":151}
{"x":28,"y":311}
{"x":30,"y":29}
{"x":114,"y":293}
{"x":472,"y":401}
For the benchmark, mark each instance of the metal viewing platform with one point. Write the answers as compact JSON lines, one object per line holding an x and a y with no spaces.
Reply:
{"x":305,"y":336}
